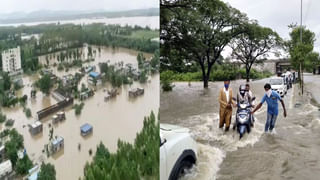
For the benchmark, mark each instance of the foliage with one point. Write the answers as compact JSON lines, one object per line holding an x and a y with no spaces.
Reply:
{"x":78,"y":108}
{"x":220,"y":73}
{"x":47,"y":172}
{"x":131,"y":161}
{"x":253,"y":45}
{"x":3,"y":117}
{"x":44,"y":83}
{"x":23,"y":165}
{"x":166,"y":78}
{"x":198,"y":31}
{"x":302,"y":52}
{"x":13,"y":145}
{"x":27,"y":111}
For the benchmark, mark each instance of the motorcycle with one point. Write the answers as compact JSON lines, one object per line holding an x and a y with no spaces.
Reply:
{"x":244,"y":117}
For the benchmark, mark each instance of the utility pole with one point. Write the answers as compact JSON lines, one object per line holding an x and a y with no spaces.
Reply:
{"x":301,"y":73}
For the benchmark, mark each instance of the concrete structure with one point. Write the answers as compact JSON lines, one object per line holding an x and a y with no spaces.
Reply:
{"x":60,"y":116}
{"x":5,"y":169}
{"x":86,"y":129}
{"x":2,"y":155}
{"x":54,"y":108}
{"x":11,"y":60}
{"x":36,"y":128}
{"x":33,"y":173}
{"x":111,"y":94}
{"x":94,"y":78}
{"x":57,"y":144}
{"x":136,"y":92}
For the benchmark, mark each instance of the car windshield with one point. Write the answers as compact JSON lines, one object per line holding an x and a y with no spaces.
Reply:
{"x":276,"y":81}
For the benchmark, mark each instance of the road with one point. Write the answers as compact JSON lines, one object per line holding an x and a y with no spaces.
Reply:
{"x":289,"y":153}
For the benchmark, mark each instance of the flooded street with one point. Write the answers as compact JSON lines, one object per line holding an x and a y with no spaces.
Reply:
{"x":280,"y":155}
{"x":119,"y":118}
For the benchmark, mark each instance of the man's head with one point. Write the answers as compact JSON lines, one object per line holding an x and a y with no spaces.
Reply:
{"x":267,"y":87}
{"x":247,"y":87}
{"x":226,"y":83}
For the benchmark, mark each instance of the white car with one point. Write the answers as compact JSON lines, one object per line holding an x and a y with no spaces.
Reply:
{"x":178,"y":151}
{"x":278,"y":85}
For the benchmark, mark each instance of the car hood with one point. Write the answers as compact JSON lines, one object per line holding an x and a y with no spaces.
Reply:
{"x":276,"y":86}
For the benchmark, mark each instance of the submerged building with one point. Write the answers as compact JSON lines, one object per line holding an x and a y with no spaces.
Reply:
{"x":11,"y":60}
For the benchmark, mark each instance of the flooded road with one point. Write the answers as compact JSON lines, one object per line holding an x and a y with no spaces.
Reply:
{"x":289,"y":153}
{"x":119,"y":118}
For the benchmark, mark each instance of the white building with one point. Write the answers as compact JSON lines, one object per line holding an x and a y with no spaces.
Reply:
{"x":11,"y":60}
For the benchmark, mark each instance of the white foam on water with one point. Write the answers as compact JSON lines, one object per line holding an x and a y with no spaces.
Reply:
{"x":208,"y":164}
{"x":214,"y":143}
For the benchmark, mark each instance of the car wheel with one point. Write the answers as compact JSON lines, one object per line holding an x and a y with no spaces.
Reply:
{"x":182,"y":169}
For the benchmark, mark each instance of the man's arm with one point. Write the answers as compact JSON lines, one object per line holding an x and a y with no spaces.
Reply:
{"x":258,"y":107}
{"x":284,"y":108}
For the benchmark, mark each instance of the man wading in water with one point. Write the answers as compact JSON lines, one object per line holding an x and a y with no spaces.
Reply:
{"x":226,"y":102}
{"x":272,"y":98}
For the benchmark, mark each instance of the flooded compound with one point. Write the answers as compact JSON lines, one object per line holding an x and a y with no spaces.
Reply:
{"x":118,"y":118}
{"x":290,"y":152}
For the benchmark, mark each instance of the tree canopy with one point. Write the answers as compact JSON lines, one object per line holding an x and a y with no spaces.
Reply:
{"x":254,"y":44}
{"x":198,"y":31}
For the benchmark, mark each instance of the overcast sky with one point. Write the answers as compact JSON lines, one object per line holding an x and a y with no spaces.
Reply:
{"x":8,"y":6}
{"x":278,"y":14}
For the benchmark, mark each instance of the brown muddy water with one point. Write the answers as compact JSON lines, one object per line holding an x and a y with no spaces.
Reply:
{"x":291,"y":152}
{"x":119,"y":118}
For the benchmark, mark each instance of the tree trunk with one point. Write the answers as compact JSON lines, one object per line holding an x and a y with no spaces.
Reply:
{"x":247,"y":74}
{"x":204,"y":76}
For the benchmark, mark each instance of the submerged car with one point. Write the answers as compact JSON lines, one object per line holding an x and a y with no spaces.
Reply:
{"x":178,"y":151}
{"x":278,"y":85}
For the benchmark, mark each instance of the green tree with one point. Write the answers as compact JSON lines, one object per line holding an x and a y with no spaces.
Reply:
{"x":253,"y":45}
{"x":301,"y":52}
{"x":45,"y":84}
{"x":199,"y":32}
{"x":23,"y":165}
{"x":47,"y":172}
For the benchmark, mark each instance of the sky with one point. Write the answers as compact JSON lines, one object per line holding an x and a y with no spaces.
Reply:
{"x":9,"y":6}
{"x":278,"y":14}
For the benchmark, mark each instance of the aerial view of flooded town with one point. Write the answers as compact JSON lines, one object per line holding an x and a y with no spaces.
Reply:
{"x":75,"y":92}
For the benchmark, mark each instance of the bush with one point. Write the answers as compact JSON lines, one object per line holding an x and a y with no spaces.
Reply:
{"x":166,"y":80}
{"x":23,"y":165}
{"x":78,"y":108}
{"x":3,"y":118}
{"x":47,"y":172}
{"x":28,"y":112}
{"x":218,"y":73}
{"x":131,"y":161}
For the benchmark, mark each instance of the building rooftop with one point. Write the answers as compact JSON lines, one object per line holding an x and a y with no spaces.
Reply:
{"x":58,"y":140}
{"x":94,"y":74}
{"x":86,"y":127}
{"x":36,"y":124}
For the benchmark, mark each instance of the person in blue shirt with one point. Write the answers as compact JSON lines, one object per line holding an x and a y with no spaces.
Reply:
{"x":272,"y":98}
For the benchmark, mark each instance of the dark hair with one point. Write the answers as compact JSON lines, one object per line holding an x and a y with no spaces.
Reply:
{"x":267,"y":86}
{"x":248,"y":85}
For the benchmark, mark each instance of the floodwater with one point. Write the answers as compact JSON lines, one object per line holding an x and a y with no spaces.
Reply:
{"x":291,"y":152}
{"x":119,"y":118}
{"x":152,"y":22}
